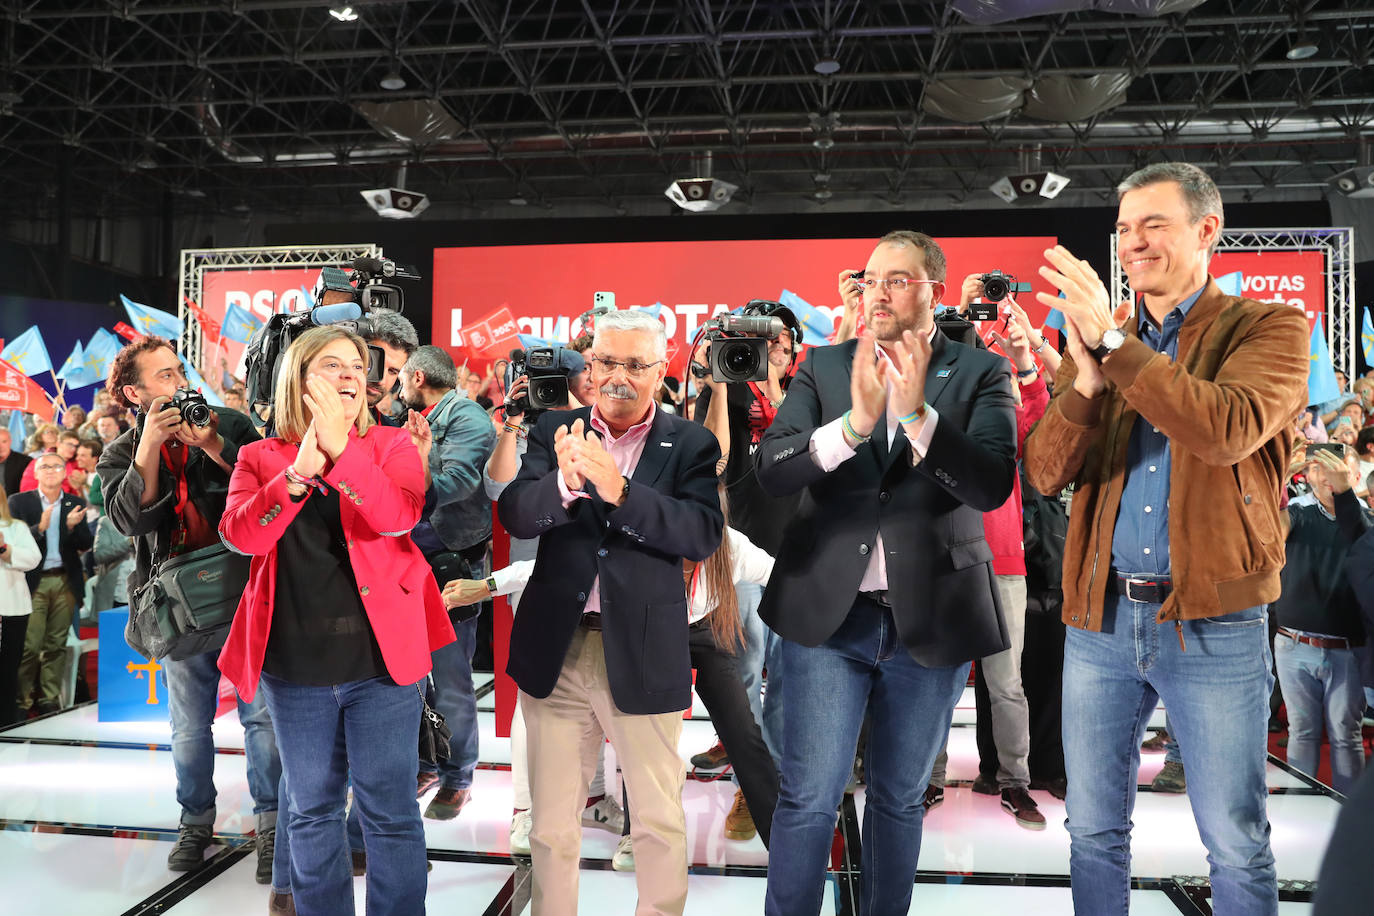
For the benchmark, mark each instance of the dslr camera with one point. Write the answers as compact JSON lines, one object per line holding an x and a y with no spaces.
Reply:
{"x":342,"y":296}
{"x":548,"y":369}
{"x":996,"y":287}
{"x":193,"y":406}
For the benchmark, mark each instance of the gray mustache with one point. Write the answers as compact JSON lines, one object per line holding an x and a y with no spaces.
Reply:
{"x":618,"y":391}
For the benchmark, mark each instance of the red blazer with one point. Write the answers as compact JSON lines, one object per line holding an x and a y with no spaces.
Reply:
{"x":382,"y":489}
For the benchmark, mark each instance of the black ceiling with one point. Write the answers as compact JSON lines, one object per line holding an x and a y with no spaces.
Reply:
{"x":586,"y":106}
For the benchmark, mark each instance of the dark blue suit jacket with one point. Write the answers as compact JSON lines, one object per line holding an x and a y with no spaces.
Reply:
{"x":672,"y":512}
{"x":28,"y":508}
{"x":939,"y":566}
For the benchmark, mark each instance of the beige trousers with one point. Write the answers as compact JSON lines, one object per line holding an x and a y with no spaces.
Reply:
{"x":564,"y":732}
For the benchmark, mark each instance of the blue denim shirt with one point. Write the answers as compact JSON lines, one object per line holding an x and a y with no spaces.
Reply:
{"x":1140,"y":539}
{"x":463,"y":440}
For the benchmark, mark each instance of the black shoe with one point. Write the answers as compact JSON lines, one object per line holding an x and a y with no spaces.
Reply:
{"x":266,"y":843}
{"x":46,"y":707}
{"x":189,"y":851}
{"x":935,"y":797}
{"x":984,"y":786}
{"x":1059,"y":788}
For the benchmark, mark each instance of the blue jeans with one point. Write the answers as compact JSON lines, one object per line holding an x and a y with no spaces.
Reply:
{"x":773,"y":706}
{"x":457,"y":703}
{"x":862,"y":666}
{"x":749,"y":660}
{"x":192,"y":697}
{"x":1322,"y":686}
{"x":1217,"y":694}
{"x":365,"y":729}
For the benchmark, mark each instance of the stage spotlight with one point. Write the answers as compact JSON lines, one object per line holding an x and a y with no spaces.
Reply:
{"x":393,"y":80}
{"x":343,"y":13}
{"x":1030,"y":188}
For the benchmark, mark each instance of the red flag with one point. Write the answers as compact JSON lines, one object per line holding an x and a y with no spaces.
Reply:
{"x":496,"y":333}
{"x":19,"y":392}
{"x":125,"y":331}
{"x":209,"y":327}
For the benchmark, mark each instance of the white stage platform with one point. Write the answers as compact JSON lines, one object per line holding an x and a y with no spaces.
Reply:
{"x":89,"y":814}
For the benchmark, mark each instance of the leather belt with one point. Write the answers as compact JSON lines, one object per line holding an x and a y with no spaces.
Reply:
{"x":1145,"y":590}
{"x":1320,"y":642}
{"x":591,"y":620}
{"x":878,"y":597}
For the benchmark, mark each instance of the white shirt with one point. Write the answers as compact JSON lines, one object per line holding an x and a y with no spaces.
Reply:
{"x":829,"y":450}
{"x":22,"y":556}
{"x":750,"y":563}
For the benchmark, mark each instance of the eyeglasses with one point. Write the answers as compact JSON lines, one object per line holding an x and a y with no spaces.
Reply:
{"x":51,"y":467}
{"x":891,"y":284}
{"x":634,"y":368}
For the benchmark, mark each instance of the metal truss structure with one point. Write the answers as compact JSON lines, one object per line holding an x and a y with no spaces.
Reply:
{"x":1338,"y":250}
{"x":278,"y":107}
{"x":195,"y":262}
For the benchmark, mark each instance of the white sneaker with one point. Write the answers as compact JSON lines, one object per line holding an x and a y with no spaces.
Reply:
{"x":624,"y":858}
{"x":520,"y":833}
{"x":605,"y":814}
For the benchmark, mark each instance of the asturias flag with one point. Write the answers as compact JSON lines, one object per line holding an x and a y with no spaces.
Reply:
{"x":148,"y":320}
{"x":239,"y":324}
{"x":100,"y":352}
{"x":27,"y":353}
{"x":1321,"y":377}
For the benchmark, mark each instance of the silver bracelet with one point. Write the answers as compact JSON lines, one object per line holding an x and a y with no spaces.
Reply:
{"x":1043,"y":341}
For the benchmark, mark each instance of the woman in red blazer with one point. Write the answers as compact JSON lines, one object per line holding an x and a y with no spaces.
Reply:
{"x":338,"y":622}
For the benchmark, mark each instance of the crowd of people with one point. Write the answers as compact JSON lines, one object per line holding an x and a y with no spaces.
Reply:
{"x":832,"y":548}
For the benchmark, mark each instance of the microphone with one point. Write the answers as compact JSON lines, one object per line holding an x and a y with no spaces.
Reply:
{"x":516,"y":354}
{"x":374,"y":266}
{"x":322,"y":315}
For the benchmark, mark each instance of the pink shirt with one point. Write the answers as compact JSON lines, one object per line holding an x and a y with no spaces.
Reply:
{"x":625,"y":452}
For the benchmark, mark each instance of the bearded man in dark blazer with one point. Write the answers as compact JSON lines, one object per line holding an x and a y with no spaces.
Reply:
{"x":883,"y":591}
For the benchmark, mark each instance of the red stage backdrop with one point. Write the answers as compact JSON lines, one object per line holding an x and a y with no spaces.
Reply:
{"x":261,"y":292}
{"x":546,"y":287}
{"x":1295,"y":277}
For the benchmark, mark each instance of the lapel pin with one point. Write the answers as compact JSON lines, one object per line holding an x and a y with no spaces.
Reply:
{"x":665,"y":445}
{"x":943,"y":373}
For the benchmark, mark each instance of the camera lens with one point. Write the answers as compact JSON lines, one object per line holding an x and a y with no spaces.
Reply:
{"x":995,"y":289}
{"x":739,"y":360}
{"x":196,"y":414}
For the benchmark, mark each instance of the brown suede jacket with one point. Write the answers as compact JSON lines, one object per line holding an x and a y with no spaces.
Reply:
{"x":1227,"y":405}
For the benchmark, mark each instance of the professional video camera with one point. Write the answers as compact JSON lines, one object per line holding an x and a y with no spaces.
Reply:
{"x":345,"y":297}
{"x":739,"y":343}
{"x":996,"y":287}
{"x":549,"y":369}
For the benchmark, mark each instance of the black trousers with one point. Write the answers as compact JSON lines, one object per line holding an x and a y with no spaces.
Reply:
{"x":12,"y":631}
{"x":722,"y":693}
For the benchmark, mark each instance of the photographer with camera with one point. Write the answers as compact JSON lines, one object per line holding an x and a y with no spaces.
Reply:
{"x":165,"y":483}
{"x":452,"y":533}
{"x":739,"y":413}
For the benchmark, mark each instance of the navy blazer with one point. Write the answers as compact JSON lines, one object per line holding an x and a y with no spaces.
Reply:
{"x":28,"y":508}
{"x":672,"y":512}
{"x":939,"y":566}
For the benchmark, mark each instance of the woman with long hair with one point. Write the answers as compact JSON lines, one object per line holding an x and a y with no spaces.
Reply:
{"x":44,"y":439}
{"x":19,"y":553}
{"x":338,"y":622}
{"x":715,"y":637}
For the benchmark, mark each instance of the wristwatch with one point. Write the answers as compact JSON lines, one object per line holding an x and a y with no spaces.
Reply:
{"x":1112,"y":339}
{"x":491,"y":584}
{"x":1026,"y":373}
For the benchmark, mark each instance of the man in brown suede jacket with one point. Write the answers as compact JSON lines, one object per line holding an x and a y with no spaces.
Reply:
{"x":1173,"y":421}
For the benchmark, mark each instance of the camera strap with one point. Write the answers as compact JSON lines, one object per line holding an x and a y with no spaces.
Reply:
{"x":179,"y":472}
{"x":765,"y":404}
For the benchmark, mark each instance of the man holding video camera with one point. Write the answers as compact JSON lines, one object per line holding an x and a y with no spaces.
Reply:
{"x":453,"y":534}
{"x":165,"y":483}
{"x":739,"y":413}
